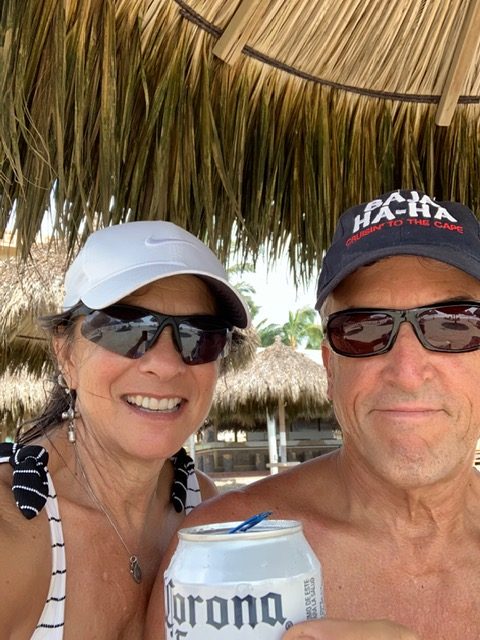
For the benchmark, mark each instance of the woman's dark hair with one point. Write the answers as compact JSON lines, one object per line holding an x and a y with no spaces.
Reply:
{"x":59,"y":401}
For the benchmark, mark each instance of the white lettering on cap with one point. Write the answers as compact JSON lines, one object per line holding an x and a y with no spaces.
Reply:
{"x":394,"y":197}
{"x":416,"y":207}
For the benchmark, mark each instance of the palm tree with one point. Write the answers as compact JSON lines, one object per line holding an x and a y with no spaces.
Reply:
{"x":299,"y":329}
{"x":244,"y":288}
{"x":267,"y":332}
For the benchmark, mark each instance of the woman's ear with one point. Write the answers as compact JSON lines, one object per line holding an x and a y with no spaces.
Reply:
{"x":62,"y":349}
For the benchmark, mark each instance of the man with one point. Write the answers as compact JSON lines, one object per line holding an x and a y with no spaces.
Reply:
{"x":394,"y":514}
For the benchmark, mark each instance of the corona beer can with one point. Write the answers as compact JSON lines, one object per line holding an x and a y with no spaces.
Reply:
{"x":250,"y":584}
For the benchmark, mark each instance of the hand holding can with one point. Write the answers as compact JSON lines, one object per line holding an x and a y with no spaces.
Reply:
{"x":350,"y":630}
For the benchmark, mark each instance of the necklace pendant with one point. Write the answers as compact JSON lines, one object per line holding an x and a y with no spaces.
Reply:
{"x":135,"y":570}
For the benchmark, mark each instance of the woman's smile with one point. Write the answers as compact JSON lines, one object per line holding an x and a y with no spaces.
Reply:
{"x":155,"y":404}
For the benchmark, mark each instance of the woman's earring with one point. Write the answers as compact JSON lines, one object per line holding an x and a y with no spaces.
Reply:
{"x":69,"y":414}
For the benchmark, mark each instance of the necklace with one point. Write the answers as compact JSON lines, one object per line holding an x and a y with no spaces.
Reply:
{"x":134,"y":565}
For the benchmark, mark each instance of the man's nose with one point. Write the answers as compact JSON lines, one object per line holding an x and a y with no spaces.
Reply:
{"x":407,"y":336}
{"x":408,"y":362}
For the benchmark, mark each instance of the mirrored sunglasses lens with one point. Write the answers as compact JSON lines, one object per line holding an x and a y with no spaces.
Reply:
{"x":360,"y":334}
{"x":131,"y":331}
{"x":455,"y":328}
{"x":129,"y":337}
{"x":201,"y":345}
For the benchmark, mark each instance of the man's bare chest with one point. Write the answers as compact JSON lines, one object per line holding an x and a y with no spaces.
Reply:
{"x":438,"y":601}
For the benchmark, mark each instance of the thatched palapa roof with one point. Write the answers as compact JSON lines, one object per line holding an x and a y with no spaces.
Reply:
{"x":277,"y":376}
{"x":268,"y":117}
{"x":28,"y":290}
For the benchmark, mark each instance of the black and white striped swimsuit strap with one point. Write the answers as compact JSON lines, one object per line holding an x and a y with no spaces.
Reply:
{"x":185,"y":489}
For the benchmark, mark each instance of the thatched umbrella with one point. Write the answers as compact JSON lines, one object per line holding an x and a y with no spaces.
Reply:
{"x":278,"y":381}
{"x":268,"y":117}
{"x":28,"y":290}
{"x":277,"y":371}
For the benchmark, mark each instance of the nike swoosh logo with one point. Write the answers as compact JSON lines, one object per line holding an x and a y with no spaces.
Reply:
{"x":155,"y":242}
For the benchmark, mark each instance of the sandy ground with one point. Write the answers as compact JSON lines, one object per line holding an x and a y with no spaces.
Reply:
{"x":225,"y":482}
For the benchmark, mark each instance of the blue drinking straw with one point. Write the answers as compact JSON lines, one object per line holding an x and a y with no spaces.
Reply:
{"x":250,"y":522}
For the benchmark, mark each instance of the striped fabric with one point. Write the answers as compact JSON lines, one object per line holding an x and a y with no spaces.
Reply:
{"x":50,"y":625}
{"x":33,"y":489}
{"x":29,"y":485}
{"x":185,"y":489}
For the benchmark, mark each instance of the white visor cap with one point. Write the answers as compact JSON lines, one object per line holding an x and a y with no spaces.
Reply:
{"x":118,"y":260}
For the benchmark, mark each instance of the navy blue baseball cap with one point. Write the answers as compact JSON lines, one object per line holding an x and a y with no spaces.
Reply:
{"x":400,"y":223}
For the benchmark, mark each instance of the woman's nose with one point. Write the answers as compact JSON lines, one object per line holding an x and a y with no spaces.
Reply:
{"x":163,"y":356}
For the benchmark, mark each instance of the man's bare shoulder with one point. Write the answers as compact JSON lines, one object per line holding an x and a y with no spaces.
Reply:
{"x":286,"y":494}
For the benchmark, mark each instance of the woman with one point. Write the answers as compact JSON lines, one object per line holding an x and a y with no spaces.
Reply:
{"x":148,"y":316}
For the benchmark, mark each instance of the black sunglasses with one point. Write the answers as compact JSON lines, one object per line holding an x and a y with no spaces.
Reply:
{"x":131,"y":331}
{"x":446,"y":327}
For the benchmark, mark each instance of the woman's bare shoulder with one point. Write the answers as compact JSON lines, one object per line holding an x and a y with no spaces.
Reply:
{"x":8,"y":508}
{"x":26,"y":553}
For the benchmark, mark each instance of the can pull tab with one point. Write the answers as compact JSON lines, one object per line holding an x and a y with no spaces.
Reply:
{"x":251,"y":522}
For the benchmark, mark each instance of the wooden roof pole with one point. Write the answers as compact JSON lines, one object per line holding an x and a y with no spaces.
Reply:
{"x":230,"y":44}
{"x":460,"y":65}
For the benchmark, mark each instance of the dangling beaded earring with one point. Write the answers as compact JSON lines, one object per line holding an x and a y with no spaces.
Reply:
{"x":69,"y":414}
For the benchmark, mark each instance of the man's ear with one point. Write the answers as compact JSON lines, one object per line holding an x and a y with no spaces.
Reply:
{"x":327,"y":363}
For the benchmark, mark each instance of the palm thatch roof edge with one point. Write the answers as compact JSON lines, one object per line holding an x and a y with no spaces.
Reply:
{"x":122,"y":111}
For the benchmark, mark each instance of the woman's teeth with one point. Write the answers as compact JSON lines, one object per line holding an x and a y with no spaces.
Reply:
{"x":154,"y":404}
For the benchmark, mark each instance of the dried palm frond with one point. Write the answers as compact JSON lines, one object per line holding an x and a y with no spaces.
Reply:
{"x":120,"y":110}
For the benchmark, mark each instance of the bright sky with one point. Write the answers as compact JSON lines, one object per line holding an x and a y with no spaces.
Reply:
{"x":276,"y":293}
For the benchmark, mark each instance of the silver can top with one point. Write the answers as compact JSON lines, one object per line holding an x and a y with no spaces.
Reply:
{"x":221,"y":531}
